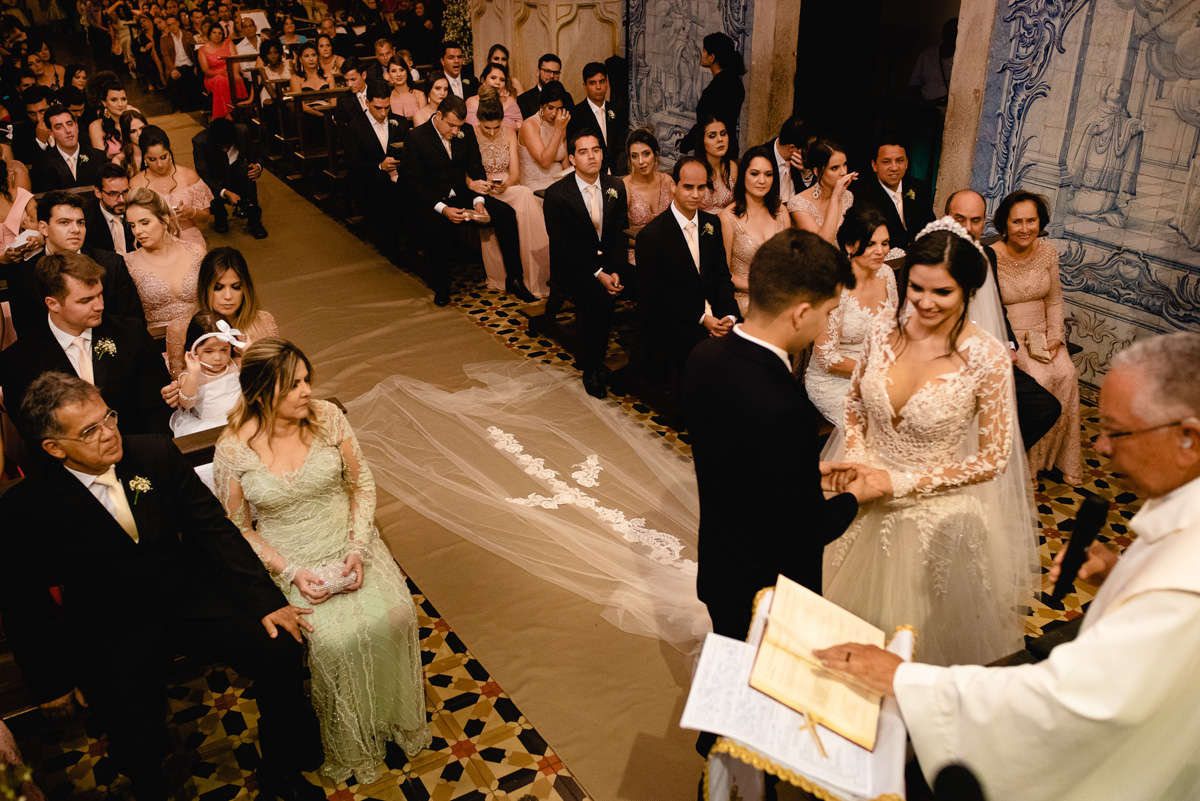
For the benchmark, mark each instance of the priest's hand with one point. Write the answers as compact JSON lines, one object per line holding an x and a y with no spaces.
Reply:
{"x":289,"y":619}
{"x":1095,"y":569}
{"x":866,"y":666}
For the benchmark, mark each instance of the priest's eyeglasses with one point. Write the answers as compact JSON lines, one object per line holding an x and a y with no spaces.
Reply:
{"x":1111,"y":435}
{"x":91,"y":434}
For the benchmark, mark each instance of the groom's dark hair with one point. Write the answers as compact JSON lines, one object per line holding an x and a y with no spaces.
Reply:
{"x":797,"y":266}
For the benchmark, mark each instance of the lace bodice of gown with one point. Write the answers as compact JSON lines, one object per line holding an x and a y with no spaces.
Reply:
{"x":645,"y":206}
{"x":922,"y":443}
{"x":532,"y":174}
{"x":495,"y":155}
{"x":172,"y":306}
{"x":850,"y":323}
{"x":263,"y":325}
{"x":717,"y":198}
{"x":196,"y":195}
{"x":800,"y":202}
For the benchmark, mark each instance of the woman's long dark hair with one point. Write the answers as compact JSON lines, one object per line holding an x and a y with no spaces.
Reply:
{"x":966,"y":265}
{"x":771,"y":199}
{"x":730,"y":156}
{"x":299,"y":63}
{"x":153,"y":135}
{"x":724,"y":50}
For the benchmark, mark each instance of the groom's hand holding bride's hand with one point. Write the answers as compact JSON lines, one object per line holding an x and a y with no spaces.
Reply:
{"x":863,"y":482}
{"x":289,"y":619}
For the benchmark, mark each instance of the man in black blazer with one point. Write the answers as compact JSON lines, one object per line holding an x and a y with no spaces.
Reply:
{"x":75,"y":336}
{"x":149,"y":567}
{"x":462,"y":84}
{"x":594,"y":113}
{"x":107,"y":228}
{"x":30,"y":135}
{"x":586,"y":218}
{"x":788,"y":150}
{"x":353,"y":104}
{"x":375,"y":152}
{"x":229,"y":162}
{"x":892,"y":192}
{"x":451,"y":188}
{"x":549,"y":69}
{"x":754,"y":436}
{"x":685,"y":292}
{"x":68,"y":162}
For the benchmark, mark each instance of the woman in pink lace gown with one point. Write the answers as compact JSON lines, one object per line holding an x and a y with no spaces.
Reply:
{"x":187,"y":195}
{"x":164,"y":268}
{"x":1027,"y":268}
{"x":755,"y":216}
{"x":648,"y":190}
{"x":822,"y":207}
{"x":212,"y":60}
{"x":723,"y":167}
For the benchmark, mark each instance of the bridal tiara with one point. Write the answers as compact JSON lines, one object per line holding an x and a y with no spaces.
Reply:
{"x":952,"y":225}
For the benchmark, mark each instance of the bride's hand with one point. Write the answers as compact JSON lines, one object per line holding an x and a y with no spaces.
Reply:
{"x":311,"y":587}
{"x":837,"y":476}
{"x":354,"y":564}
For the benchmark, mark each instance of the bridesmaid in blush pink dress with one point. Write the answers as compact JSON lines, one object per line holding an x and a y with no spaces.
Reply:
{"x":406,"y":100}
{"x":648,"y":190}
{"x":754,"y":216}
{"x":187,"y":195}
{"x":714,"y":148}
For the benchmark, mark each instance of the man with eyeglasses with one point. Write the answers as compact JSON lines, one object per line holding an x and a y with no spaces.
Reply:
{"x":150,"y":567}
{"x":1111,"y":714}
{"x":75,"y":336}
{"x":549,"y":69}
{"x":105,"y":219}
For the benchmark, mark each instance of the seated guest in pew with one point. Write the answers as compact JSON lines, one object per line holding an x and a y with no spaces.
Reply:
{"x":116,"y":354}
{"x":353,"y":104}
{"x":462,"y":84}
{"x":904,"y":200}
{"x":179,"y":185}
{"x":226,"y":290}
{"x":208,"y":386}
{"x":103,"y":132}
{"x":68,"y":162}
{"x":62,"y":221}
{"x":648,"y":190}
{"x":105,"y":219}
{"x":595,"y":113}
{"x":498,"y":54}
{"x":150,"y":567}
{"x":30,"y":136}
{"x":1110,"y":714}
{"x":375,"y":151}
{"x":406,"y":99}
{"x":330,"y":61}
{"x":228,"y":161}
{"x":495,"y":78}
{"x":586,"y":218}
{"x":438,"y":89}
{"x":451,"y":188}
{"x":377,"y":70}
{"x":549,"y":68}
{"x":543,"y":139}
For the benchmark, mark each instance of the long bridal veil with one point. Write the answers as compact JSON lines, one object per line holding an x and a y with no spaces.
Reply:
{"x":525,"y":464}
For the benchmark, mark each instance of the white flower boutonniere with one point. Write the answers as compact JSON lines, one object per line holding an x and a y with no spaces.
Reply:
{"x":611,"y":115}
{"x":460,"y":135}
{"x":911,"y":194}
{"x":708,"y":229}
{"x":104,"y":347}
{"x":138,"y":485}
{"x":394,"y":123}
{"x":611,"y":193}
{"x":83,"y":159}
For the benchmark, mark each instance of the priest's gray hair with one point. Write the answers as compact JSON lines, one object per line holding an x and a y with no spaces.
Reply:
{"x":1170,"y":368}
{"x":50,"y":392}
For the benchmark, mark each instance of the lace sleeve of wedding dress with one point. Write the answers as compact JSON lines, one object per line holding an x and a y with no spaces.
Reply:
{"x":360,"y":484}
{"x":825,"y":349}
{"x":850,"y":438}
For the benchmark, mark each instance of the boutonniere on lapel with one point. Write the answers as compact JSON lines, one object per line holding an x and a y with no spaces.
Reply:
{"x":104,"y":347}
{"x":708,"y":229}
{"x":138,"y":485}
{"x":459,"y":135}
{"x":394,"y":123}
{"x":911,"y":194}
{"x":611,"y":193}
{"x":83,"y":159}
{"x":611,"y":115}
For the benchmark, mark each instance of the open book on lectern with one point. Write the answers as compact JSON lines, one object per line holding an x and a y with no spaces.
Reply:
{"x":800,"y":622}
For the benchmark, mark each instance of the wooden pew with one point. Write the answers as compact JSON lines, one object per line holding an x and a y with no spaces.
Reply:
{"x":242,"y":108}
{"x":306,"y":151}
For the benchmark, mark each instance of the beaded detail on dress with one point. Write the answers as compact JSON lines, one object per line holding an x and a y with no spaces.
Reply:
{"x":801,"y":203}
{"x":495,"y":155}
{"x":164,"y":304}
{"x":717,"y":198}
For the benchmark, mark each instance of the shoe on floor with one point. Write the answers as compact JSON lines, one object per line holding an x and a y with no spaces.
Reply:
{"x":258,"y":232}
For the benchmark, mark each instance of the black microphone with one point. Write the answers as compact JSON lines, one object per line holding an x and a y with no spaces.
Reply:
{"x":1093,"y":513}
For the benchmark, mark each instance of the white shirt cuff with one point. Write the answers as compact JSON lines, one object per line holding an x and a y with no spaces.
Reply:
{"x":707,"y":312}
{"x":479,"y":201}
{"x":439,"y":208}
{"x":597,"y":273}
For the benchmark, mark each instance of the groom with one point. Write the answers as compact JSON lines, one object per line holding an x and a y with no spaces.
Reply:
{"x":149,"y":567}
{"x":754,"y":435}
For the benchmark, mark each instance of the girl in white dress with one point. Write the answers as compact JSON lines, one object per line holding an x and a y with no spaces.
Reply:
{"x":208,"y":388}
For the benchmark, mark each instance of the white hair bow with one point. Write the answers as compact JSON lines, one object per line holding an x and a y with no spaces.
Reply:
{"x":226,"y":333}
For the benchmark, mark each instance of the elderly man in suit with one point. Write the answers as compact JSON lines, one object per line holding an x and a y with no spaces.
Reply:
{"x":586,"y":217}
{"x":904,"y":201}
{"x":596,"y":114}
{"x":228,"y":161}
{"x":107,"y":228}
{"x":68,"y":162}
{"x":149,"y":567}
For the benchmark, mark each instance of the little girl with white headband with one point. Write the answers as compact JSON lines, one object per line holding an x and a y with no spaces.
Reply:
{"x":209,"y":387}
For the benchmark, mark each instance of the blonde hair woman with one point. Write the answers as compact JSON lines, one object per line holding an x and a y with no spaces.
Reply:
{"x":295,"y":461}
{"x":164,"y":268}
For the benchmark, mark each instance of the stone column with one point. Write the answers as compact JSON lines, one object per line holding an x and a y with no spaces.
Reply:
{"x":771,"y":68}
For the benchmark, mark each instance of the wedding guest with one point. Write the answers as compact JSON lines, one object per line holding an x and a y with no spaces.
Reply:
{"x":317,"y":531}
{"x":76,"y":336}
{"x":68,"y":162}
{"x":165,"y":268}
{"x":754,"y":437}
{"x":289,"y":38}
{"x":178,"y":48}
{"x":787,"y":150}
{"x":104,"y":132}
{"x":498,"y":54}
{"x":273,"y":67}
{"x":76,"y":103}
{"x":755,"y":216}
{"x":1065,"y":729}
{"x":1037,"y":408}
{"x":722,"y":164}
{"x":178,"y":185}
{"x":208,"y":387}
{"x":461,"y":84}
{"x":543,"y":140}
{"x":438,"y":90}
{"x":424,"y":33}
{"x":722,"y":98}
{"x":903,"y":200}
{"x":353,"y":103}
{"x":250,"y":44}
{"x":822,"y":207}
{"x":52,"y":76}
{"x":406,"y":100}
{"x":76,"y":75}
{"x":375,"y":151}
{"x":586,"y":219}
{"x":212,"y":57}
{"x":31,"y":136}
{"x":331,"y":62}
{"x":229,"y":163}
{"x":384,"y":53}
{"x":648,"y":190}
{"x":839,"y":348}
{"x":596,"y":114}
{"x":107,"y":228}
{"x":131,"y":124}
{"x":495,"y":77}
{"x":498,"y":152}
{"x":1027,"y":269}
{"x":226,"y":290}
{"x":549,"y":69}
{"x":192,"y":586}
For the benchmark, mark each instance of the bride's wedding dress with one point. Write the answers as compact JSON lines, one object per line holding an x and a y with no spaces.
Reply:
{"x":952,"y":553}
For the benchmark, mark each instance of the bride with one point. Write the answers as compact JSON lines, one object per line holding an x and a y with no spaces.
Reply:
{"x":950,"y":549}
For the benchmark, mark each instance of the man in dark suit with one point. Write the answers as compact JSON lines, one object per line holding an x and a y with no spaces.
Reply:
{"x":30,"y":135}
{"x":107,"y":228}
{"x":462,"y":84}
{"x":685,"y":292}
{"x":229,"y":162}
{"x":594,"y":113}
{"x":352,"y":104}
{"x":788,"y":149}
{"x":549,"y":69}
{"x":68,"y":162}
{"x":1037,"y":408}
{"x":149,"y":566}
{"x":75,"y":336}
{"x":754,"y":436}
{"x":178,"y":50}
{"x":446,"y":175}
{"x":905,"y":202}
{"x":586,"y":217}
{"x":377,"y":70}
{"x":375,"y":151}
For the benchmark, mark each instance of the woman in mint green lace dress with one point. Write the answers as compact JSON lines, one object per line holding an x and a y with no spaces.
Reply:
{"x":292,"y":463}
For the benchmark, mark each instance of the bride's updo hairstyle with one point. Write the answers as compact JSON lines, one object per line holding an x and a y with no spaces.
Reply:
{"x":961,"y":258}
{"x":268,"y":371}
{"x":146,"y":198}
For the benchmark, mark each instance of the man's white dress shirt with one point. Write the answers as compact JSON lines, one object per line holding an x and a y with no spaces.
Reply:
{"x":691,"y":235}
{"x":783,"y":174}
{"x":593,"y":193}
{"x":778,"y":351}
{"x":600,"y":112}
{"x":72,"y":160}
{"x":74,"y":356}
{"x":1111,"y":714}
{"x":182,"y":57}
{"x":455,"y":84}
{"x":897,"y":198}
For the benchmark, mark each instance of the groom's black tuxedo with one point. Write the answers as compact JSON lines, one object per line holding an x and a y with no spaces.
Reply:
{"x":191,"y":583}
{"x":762,"y":512}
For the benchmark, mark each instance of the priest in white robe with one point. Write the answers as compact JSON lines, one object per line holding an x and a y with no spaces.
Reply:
{"x":1112,"y":714}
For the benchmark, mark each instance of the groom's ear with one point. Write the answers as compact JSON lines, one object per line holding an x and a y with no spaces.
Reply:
{"x":801,"y":313}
